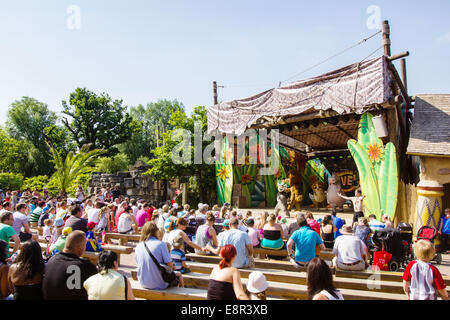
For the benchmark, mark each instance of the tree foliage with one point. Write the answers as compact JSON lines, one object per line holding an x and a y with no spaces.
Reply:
{"x":13,"y":154}
{"x":112,"y":165}
{"x":27,"y":119}
{"x":97,"y":120}
{"x":68,"y":168}
{"x":36,"y":182}
{"x":151,"y":117}
{"x":12,"y":181}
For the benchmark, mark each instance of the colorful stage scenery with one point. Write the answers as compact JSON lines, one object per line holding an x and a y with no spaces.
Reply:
{"x":344,"y":127}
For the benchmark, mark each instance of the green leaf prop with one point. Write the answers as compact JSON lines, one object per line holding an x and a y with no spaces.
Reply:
{"x":367,"y":178}
{"x":388,"y":181}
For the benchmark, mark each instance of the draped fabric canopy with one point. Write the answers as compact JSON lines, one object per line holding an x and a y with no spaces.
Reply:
{"x":348,"y":90}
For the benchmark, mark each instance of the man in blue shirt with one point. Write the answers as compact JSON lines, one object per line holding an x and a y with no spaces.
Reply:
{"x":237,"y":238}
{"x":444,"y":231}
{"x":338,"y":223}
{"x":305,"y":240}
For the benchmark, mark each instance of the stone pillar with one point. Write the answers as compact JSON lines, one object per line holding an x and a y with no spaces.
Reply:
{"x":429,"y":205}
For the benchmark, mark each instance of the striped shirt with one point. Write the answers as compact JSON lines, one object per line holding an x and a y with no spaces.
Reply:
{"x":424,"y":279}
{"x":178,"y":256}
{"x":36,"y":215}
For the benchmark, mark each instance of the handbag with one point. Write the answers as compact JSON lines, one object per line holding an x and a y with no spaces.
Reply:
{"x":167,"y":274}
{"x":381,"y":260}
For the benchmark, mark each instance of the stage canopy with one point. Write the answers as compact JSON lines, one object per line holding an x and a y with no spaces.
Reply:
{"x":354,"y":89}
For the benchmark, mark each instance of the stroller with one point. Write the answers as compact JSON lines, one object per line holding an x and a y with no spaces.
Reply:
{"x":406,"y":234}
{"x":429,"y":233}
{"x":393,"y":243}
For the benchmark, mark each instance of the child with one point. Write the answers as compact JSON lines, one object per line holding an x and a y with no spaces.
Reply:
{"x":92,"y":244}
{"x":47,"y":231}
{"x":178,"y":256}
{"x":58,"y":225}
{"x":257,"y":286}
{"x":421,"y":280}
{"x":285,"y":228}
{"x":58,"y":246}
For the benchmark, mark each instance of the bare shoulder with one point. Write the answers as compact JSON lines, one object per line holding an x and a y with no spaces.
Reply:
{"x":320,"y":296}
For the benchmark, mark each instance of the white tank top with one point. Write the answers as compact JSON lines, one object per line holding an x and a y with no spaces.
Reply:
{"x":330,"y":297}
{"x":125,"y":223}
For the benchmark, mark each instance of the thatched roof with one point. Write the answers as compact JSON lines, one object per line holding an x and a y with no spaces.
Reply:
{"x":430,"y":133}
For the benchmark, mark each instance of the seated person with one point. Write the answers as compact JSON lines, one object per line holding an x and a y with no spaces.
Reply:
{"x":306,"y":240}
{"x":178,"y":255}
{"x":272,"y":232}
{"x":92,"y":244}
{"x":59,"y":244}
{"x":350,"y":252}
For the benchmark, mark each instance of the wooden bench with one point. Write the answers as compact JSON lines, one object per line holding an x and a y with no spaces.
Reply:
{"x":290,"y":291}
{"x":173,"y":293}
{"x":324,"y":254}
{"x":123,"y":238}
{"x":92,"y":256}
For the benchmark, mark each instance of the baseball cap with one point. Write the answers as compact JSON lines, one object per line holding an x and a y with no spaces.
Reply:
{"x":58,"y":222}
{"x":226,"y":223}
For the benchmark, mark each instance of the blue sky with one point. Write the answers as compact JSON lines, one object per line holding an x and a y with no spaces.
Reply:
{"x":142,"y":51}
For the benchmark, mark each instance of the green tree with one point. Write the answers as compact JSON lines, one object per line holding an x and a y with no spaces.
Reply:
{"x":97,"y":120}
{"x":112,"y":165}
{"x":151,"y":117}
{"x":59,"y":138}
{"x":68,"y":168}
{"x":11,"y":181}
{"x":163,"y":167}
{"x":13,"y":154}
{"x":26,"y":121}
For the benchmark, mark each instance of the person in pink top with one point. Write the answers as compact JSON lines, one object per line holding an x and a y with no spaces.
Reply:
{"x":313,"y":224}
{"x":142,"y":215}
{"x":253,"y":234}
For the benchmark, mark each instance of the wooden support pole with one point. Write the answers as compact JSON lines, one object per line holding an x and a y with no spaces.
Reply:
{"x":386,"y":32}
{"x":215,"y":92}
{"x":398,"y":56}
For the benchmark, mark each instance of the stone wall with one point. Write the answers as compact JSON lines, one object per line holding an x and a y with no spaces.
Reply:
{"x":132,"y":184}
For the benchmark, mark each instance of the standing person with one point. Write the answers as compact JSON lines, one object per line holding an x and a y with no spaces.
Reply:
{"x":350,"y":252}
{"x":206,"y":234}
{"x":444,"y":231}
{"x":5,"y":286}
{"x":225,"y":280}
{"x":327,"y":232}
{"x":21,"y":220}
{"x":75,"y":221}
{"x":320,"y":282}
{"x":7,"y":232}
{"x":422,"y":280}
{"x":357,"y":202}
{"x":108,"y":284}
{"x":66,"y":271}
{"x":240,"y":241}
{"x":306,"y":240}
{"x":148,"y":273}
{"x":26,"y":274}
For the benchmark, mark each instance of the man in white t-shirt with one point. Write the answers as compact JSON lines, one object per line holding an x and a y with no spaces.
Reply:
{"x":350,"y":252}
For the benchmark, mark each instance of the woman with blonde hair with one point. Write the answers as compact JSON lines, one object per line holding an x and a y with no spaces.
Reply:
{"x":148,"y":249}
{"x":261,"y":222}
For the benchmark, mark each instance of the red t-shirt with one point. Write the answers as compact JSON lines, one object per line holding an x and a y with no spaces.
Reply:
{"x":424,"y":280}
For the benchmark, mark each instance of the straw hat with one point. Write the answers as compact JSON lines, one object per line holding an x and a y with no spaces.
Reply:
{"x":346,"y":229}
{"x":257,"y":282}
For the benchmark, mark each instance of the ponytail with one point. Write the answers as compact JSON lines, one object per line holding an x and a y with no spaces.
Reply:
{"x":227,"y":253}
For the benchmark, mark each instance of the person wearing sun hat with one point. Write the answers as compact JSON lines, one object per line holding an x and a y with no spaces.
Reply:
{"x":350,"y":252}
{"x":257,"y":286}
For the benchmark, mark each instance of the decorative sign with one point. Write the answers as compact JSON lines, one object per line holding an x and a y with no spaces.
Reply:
{"x":349,"y":180}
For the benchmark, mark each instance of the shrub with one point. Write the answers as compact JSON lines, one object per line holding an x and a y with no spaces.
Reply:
{"x":13,"y":181}
{"x":112,"y":165}
{"x":37,"y":182}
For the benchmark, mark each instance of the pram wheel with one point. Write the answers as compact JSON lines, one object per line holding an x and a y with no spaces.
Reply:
{"x":393,"y":265}
{"x":438,"y":258}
